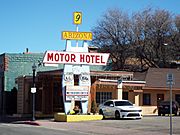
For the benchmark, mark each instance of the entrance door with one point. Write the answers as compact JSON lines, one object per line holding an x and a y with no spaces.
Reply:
{"x":58,"y":105}
{"x":125,"y":95}
{"x":79,"y":104}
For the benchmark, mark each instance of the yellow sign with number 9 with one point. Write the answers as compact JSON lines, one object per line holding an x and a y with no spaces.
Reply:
{"x":77,"y":17}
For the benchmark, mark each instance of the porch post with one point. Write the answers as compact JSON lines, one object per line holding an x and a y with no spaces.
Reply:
{"x":119,"y":90}
{"x":137,"y":99}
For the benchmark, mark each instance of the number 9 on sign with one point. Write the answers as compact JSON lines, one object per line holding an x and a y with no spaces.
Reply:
{"x":77,"y":17}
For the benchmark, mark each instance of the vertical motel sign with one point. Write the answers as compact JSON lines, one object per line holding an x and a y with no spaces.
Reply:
{"x":76,"y":61}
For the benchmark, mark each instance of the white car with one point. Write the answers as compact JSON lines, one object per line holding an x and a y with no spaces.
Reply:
{"x":120,"y":109}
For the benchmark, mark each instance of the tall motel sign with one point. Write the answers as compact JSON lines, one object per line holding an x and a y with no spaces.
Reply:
{"x":77,"y":61}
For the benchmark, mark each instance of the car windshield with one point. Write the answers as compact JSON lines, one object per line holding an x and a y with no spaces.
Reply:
{"x":123,"y":103}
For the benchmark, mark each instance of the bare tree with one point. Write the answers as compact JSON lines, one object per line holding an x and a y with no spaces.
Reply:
{"x":153,"y":30}
{"x":177,"y":22}
{"x":113,"y":34}
{"x":176,"y":38}
{"x":150,"y":37}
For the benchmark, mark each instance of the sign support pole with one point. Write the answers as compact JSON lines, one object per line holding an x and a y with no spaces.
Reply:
{"x":77,"y":20}
{"x":77,"y":29}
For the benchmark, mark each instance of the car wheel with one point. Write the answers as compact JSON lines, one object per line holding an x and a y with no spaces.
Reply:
{"x":101,"y":113}
{"x":117,"y":115}
{"x":159,"y":114}
{"x":163,"y":114}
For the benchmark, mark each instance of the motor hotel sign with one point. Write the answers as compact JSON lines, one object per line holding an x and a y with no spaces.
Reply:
{"x":56,"y":57}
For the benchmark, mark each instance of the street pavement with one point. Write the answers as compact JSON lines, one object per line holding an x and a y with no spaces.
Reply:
{"x":151,"y":125}
{"x":146,"y":126}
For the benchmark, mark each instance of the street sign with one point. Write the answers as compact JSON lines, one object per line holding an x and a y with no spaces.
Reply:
{"x":170,"y":78}
{"x":73,"y":35}
{"x":77,"y":18}
{"x":33,"y":90}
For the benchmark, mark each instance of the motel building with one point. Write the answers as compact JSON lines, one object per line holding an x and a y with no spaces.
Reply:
{"x":142,"y":89}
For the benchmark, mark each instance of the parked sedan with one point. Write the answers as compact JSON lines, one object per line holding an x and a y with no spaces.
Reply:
{"x":120,"y":109}
{"x":164,"y":108}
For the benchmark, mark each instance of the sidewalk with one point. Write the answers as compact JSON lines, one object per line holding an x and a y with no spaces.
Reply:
{"x":85,"y":127}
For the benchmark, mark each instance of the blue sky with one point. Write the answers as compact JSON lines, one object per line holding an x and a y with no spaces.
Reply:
{"x":37,"y":24}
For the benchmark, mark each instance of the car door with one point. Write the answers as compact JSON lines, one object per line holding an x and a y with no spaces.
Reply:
{"x":108,"y":108}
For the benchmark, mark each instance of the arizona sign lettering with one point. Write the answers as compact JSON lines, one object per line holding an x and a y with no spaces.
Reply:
{"x":56,"y":57}
{"x":73,"y":35}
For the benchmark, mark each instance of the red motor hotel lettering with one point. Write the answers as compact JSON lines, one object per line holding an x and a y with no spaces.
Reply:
{"x":97,"y":59}
{"x":67,"y":57}
{"x":88,"y":58}
{"x":102,"y":60}
{"x":75,"y":58}
{"x":91,"y":58}
{"x":50,"y":57}
{"x":56,"y":57}
{"x":61,"y":57}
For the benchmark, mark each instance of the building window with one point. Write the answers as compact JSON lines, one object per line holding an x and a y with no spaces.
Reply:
{"x":146,"y":99}
{"x":103,"y":96}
